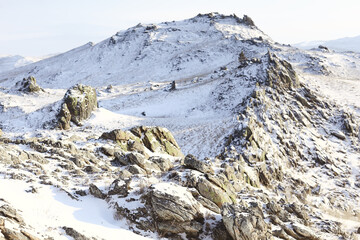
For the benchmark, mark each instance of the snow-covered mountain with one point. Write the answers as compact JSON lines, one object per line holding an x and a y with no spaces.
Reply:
{"x":262,"y":140}
{"x":341,"y":44}
{"x":9,"y":62}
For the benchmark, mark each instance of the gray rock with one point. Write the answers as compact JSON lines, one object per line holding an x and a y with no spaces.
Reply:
{"x":280,"y":73}
{"x":163,"y":163}
{"x":75,"y":234}
{"x":339,"y":134}
{"x":135,"y":169}
{"x":171,"y":202}
{"x":140,"y":160}
{"x":303,"y":232}
{"x":91,"y":169}
{"x":29,"y":85}
{"x":119,"y":187}
{"x":9,"y":212}
{"x":96,"y":192}
{"x":212,"y":192}
{"x":244,"y":224}
{"x":208,"y":204}
{"x":12,"y":235}
{"x":124,"y":174}
{"x":79,"y":102}
{"x":193,"y":163}
{"x":175,"y":209}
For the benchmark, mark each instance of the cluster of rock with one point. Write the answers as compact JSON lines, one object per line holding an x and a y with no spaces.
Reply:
{"x":246,"y":20}
{"x":29,"y":85}
{"x":256,"y":188}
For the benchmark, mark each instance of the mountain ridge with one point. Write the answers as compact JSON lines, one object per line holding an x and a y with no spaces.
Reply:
{"x":264,"y":147}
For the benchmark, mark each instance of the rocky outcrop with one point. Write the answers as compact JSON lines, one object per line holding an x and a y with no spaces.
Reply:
{"x":74,"y":234}
{"x":217,"y":190}
{"x":245,"y":223}
{"x":280,"y":73}
{"x":202,"y":166}
{"x":29,"y":85}
{"x":78,"y":103}
{"x":142,"y":139}
{"x":175,"y":209}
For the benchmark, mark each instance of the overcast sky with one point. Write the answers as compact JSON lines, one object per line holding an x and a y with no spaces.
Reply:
{"x":40,"y":27}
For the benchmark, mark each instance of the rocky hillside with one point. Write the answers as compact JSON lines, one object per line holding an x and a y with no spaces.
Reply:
{"x":198,"y":129}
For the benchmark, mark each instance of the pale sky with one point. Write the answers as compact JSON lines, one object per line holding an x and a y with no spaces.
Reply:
{"x":40,"y":27}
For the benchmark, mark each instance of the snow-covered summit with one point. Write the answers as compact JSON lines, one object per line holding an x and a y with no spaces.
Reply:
{"x":270,"y":134}
{"x":183,"y":48}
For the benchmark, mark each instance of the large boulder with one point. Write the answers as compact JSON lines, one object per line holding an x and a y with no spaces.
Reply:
{"x":78,"y":103}
{"x":245,"y":223}
{"x":158,"y":139}
{"x":28,"y":85}
{"x":211,"y":188}
{"x":175,"y":209}
{"x":191,"y":161}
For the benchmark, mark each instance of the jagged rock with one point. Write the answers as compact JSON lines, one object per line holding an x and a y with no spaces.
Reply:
{"x":110,"y":152}
{"x":300,"y":232}
{"x":302,"y":100}
{"x":158,"y":139}
{"x":141,"y":161}
{"x":209,"y":190}
{"x":220,"y":233}
{"x":29,"y":85}
{"x":350,"y":125}
{"x":74,"y":234}
{"x":78,"y":103}
{"x":12,"y":235}
{"x":91,"y":169}
{"x":124,"y":175}
{"x":280,"y":73}
{"x":298,"y":211}
{"x":155,"y":139}
{"x":9,"y":212}
{"x":163,"y":163}
{"x":244,"y":223}
{"x":173,"y":86}
{"x":135,"y":169}
{"x":96,"y":192}
{"x":119,"y":187}
{"x":248,"y":21}
{"x":323,"y":47}
{"x":192,"y":162}
{"x":208,"y":204}
{"x":175,"y":209}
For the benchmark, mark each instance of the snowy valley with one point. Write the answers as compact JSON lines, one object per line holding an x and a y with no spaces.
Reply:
{"x":197,"y":129}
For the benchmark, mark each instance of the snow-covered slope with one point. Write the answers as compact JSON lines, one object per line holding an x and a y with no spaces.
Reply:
{"x":275,"y":130}
{"x":341,"y":44}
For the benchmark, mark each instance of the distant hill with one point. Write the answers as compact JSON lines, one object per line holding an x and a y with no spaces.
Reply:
{"x":341,"y":44}
{"x":9,"y":62}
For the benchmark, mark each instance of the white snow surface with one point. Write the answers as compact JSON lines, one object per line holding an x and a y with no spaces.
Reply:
{"x":49,"y":209}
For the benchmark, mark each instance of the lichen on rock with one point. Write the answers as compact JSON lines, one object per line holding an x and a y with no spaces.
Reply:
{"x":78,"y":103}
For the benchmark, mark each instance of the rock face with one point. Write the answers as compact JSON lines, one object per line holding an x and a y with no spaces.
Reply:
{"x":245,"y":223}
{"x":154,"y":139}
{"x":29,"y":85}
{"x":176,"y":210}
{"x":78,"y":103}
{"x":280,"y":73}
